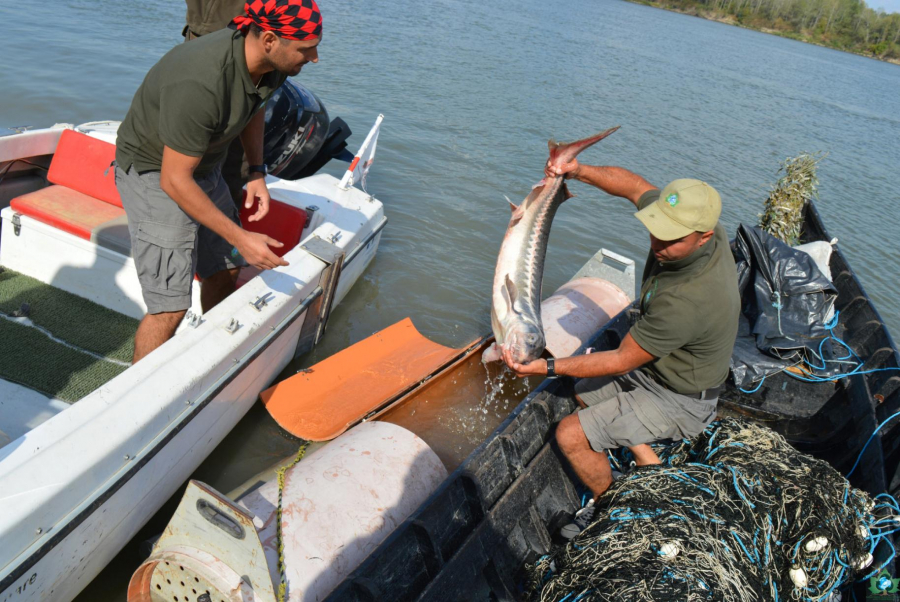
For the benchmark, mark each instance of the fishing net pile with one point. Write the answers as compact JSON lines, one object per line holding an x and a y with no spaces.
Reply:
{"x":735,"y":515}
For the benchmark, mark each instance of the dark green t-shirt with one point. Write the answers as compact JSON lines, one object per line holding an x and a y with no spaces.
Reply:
{"x":689,"y":314}
{"x":206,"y":16}
{"x":195,"y":100}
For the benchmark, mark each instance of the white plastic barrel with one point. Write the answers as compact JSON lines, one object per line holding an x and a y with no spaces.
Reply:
{"x":338,"y":504}
{"x":341,"y":502}
{"x":577,"y":310}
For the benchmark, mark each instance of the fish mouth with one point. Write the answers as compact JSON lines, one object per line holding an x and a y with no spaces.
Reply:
{"x":525,"y":348}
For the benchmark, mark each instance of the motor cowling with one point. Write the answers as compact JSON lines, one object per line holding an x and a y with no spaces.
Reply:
{"x":299,"y":137}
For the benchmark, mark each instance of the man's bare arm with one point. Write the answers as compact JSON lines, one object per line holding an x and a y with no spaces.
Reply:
{"x":176,"y":178}
{"x":252,"y":138}
{"x":629,"y":356}
{"x":615,"y":181}
{"x":252,"y":141}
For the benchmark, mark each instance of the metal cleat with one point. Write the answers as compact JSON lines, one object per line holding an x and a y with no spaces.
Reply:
{"x":193,"y":320}
{"x":232,"y":326}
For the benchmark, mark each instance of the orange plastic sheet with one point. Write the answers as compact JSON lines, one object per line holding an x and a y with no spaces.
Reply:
{"x":322,"y":402}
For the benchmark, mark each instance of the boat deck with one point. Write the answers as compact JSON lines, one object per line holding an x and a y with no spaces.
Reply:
{"x":57,"y":343}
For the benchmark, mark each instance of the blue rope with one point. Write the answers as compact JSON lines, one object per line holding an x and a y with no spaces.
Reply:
{"x":778,"y":305}
{"x":811,"y":377}
{"x":884,"y":564}
{"x":872,"y":436}
{"x":757,"y":387}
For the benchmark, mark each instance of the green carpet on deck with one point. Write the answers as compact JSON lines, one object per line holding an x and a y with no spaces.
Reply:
{"x":29,"y":357}
{"x":69,"y":317}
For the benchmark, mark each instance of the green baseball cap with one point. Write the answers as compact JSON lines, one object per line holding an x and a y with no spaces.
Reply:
{"x":684,"y":206}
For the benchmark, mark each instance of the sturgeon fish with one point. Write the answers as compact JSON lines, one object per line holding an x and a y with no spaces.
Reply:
{"x":516,"y":299}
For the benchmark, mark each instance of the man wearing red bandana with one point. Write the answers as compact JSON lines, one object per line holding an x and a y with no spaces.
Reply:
{"x":191,"y":105}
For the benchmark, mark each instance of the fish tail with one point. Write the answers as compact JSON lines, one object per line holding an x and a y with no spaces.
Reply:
{"x":562,"y":152}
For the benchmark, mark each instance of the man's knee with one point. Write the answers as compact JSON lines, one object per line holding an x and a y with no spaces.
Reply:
{"x":570,"y":435}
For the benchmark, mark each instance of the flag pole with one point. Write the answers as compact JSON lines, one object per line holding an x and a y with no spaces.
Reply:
{"x":349,"y":176}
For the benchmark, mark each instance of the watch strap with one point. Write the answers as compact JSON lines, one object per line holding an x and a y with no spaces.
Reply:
{"x":258,"y":169}
{"x":551,"y":367}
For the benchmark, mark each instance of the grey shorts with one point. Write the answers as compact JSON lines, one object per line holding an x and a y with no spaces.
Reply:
{"x":168,"y":246}
{"x":629,"y":410}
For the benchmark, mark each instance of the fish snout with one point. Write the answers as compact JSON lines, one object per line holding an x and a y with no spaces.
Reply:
{"x":526,"y":345}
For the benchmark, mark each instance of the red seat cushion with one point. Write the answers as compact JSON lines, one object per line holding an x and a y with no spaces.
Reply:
{"x":82,"y":163}
{"x":66,"y":209}
{"x":284,"y":223}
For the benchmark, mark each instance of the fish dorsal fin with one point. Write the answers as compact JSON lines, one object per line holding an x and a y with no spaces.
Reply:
{"x":517,"y":212}
{"x":511,"y":294}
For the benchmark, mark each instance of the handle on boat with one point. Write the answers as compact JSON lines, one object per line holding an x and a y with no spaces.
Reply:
{"x":220,"y":519}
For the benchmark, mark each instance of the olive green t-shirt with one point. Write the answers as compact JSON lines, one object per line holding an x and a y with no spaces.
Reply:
{"x":689,"y":314}
{"x":206,"y":16}
{"x":195,"y":100}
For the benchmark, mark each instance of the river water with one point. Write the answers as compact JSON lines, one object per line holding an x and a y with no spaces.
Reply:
{"x":471,"y":92}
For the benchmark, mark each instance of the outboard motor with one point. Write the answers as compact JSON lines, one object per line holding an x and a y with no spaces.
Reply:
{"x":299,"y":137}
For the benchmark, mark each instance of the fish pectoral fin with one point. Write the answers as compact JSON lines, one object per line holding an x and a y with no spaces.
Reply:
{"x":512,"y":205}
{"x":511,"y":294}
{"x":494,"y":353}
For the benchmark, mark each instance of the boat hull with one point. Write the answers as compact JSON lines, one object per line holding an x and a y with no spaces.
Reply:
{"x":78,"y":487}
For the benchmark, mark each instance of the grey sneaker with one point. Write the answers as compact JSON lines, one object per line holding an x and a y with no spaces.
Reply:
{"x":580,"y":521}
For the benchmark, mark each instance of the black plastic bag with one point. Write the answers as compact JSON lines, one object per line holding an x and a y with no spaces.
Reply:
{"x":785,"y":302}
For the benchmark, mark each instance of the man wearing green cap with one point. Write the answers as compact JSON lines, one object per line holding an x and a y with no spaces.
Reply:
{"x":663,"y":381}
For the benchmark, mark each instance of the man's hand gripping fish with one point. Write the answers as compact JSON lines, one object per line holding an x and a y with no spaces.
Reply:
{"x":516,"y":299}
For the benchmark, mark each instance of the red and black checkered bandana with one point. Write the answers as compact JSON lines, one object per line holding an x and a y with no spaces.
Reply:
{"x":289,"y":19}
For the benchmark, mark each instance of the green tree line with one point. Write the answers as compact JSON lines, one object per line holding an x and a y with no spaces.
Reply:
{"x":848,"y":25}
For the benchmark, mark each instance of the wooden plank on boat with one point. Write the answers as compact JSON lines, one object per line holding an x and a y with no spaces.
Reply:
{"x":323,"y":401}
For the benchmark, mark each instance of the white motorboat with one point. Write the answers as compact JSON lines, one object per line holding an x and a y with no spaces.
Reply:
{"x":91,"y":446}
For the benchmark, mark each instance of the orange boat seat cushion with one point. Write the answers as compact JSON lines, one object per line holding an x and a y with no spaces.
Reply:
{"x":67,"y":209}
{"x":83,"y":198}
{"x":82,"y":163}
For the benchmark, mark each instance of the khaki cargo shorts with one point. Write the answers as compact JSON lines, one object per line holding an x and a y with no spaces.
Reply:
{"x":168,"y":246}
{"x":632,"y":409}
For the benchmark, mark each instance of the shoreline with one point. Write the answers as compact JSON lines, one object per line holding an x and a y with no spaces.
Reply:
{"x":731,"y":20}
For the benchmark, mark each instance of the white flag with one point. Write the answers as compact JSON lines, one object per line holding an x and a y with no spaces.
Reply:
{"x":363,"y":159}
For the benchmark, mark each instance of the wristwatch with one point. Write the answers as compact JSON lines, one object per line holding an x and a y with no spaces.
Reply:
{"x":551,"y":365}
{"x":258,"y":169}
